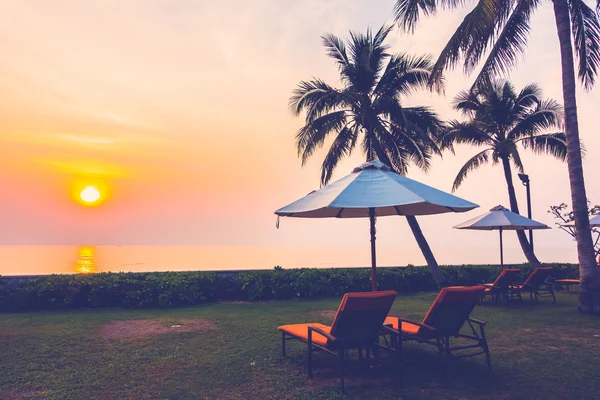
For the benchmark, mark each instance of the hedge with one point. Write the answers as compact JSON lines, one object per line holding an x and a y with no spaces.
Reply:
{"x":174,"y":289}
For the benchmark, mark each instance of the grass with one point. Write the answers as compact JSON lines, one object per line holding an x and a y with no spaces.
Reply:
{"x":538,"y":351}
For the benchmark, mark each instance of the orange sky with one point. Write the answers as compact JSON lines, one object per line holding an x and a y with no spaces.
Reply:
{"x":180,"y":108}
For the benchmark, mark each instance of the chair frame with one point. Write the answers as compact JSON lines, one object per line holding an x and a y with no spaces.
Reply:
{"x":499,"y":292}
{"x":339,"y":345}
{"x":541,"y":290}
{"x":336,"y":347}
{"x":442,"y":341}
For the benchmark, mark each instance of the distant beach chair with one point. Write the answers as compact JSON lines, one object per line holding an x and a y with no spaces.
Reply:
{"x":566,"y":282}
{"x":536,"y":284}
{"x":357,"y":324}
{"x":500,"y":287}
{"x":447,"y":315}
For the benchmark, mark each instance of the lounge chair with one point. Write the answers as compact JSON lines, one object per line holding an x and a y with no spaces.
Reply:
{"x":356,"y":325}
{"x":447,"y":315}
{"x":567,"y":282}
{"x":535,"y":284}
{"x":500,"y":287}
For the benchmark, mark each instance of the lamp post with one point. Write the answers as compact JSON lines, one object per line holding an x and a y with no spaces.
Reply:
{"x":525,"y":180}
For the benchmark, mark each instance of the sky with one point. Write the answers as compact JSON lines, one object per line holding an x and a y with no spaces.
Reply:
{"x":178,"y":110}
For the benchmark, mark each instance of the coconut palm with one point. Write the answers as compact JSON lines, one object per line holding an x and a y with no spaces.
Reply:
{"x":502,"y":120}
{"x":366,"y":112}
{"x":497,"y":31}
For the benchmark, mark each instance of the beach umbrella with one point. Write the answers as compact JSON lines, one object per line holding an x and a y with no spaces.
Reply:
{"x":594,"y":222}
{"x":501,"y":219}
{"x":373,"y":190}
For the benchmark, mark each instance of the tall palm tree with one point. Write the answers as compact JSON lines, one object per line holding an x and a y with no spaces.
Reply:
{"x":500,"y":119}
{"x":367,"y":111}
{"x":497,"y":30}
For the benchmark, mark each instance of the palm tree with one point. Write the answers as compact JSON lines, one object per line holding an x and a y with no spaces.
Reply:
{"x":500,"y":119}
{"x":497,"y":30}
{"x":366,"y":111}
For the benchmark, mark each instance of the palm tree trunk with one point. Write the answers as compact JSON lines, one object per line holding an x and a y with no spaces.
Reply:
{"x":589,"y":297}
{"x":434,"y":268}
{"x":514,"y":207}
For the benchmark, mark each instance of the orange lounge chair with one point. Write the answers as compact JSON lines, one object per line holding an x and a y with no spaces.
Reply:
{"x":500,"y":287}
{"x":567,"y":282}
{"x":447,"y":315}
{"x":357,"y":324}
{"x":536,"y":285}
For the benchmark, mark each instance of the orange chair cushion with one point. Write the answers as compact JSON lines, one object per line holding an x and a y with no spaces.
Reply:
{"x":363,"y":301}
{"x":457,"y":294}
{"x":301,"y":331}
{"x":407,"y":327}
{"x":573,"y":281}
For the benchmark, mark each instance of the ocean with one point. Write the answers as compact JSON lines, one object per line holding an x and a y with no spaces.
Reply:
{"x":42,"y":260}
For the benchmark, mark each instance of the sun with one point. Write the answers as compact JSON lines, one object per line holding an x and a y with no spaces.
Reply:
{"x":90,"y":195}
{"x":90,"y":192}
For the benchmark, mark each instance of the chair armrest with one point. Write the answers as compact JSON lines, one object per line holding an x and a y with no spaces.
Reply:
{"x":478,"y":322}
{"x":322,"y":332}
{"x":414,"y":323}
{"x":389,"y":328}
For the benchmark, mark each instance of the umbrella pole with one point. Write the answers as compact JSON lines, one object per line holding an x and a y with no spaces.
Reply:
{"x":373,"y":258}
{"x":501,"y":251}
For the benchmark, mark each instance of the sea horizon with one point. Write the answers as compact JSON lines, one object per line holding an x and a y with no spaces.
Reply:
{"x":17,"y":260}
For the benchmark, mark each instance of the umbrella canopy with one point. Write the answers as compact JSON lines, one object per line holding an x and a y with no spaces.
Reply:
{"x":373,"y":185}
{"x":371,"y":190}
{"x":501,"y":219}
{"x":594,"y":222}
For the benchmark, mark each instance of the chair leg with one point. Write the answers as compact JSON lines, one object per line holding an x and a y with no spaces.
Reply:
{"x":341,"y":356}
{"x":440,"y":347}
{"x":282,"y":343}
{"x":310,"y":353}
{"x":399,"y":359}
{"x":484,"y":344}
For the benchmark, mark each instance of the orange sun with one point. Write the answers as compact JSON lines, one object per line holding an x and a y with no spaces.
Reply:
{"x":90,"y":194}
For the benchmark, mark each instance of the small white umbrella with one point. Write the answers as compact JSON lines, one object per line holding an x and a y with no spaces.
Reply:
{"x":501,"y":219}
{"x":371,"y":190}
{"x":594,"y":222}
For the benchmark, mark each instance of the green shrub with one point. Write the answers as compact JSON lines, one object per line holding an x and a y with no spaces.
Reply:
{"x":176,"y":289}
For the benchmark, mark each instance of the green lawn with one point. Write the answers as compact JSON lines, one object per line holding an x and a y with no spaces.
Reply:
{"x":538,"y":351}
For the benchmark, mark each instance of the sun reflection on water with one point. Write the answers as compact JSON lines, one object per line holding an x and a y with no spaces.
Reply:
{"x":86,"y":263}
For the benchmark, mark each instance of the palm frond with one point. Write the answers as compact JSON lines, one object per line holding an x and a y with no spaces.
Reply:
{"x":554,"y":144}
{"x":407,"y":12}
{"x":404,"y":75}
{"x":341,"y":147}
{"x":336,"y":49}
{"x":586,"y":35}
{"x":467,"y":102}
{"x":317,"y":98}
{"x":474,"y":162}
{"x":510,"y":43}
{"x":472,"y":36}
{"x":424,"y":118}
{"x":516,"y":157}
{"x":312,"y":135}
{"x":467,"y":133}
{"x":546,"y":115}
{"x":529,"y":95}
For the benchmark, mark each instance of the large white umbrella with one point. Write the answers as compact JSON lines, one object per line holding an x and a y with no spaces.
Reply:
{"x":371,"y":190}
{"x":501,"y":219}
